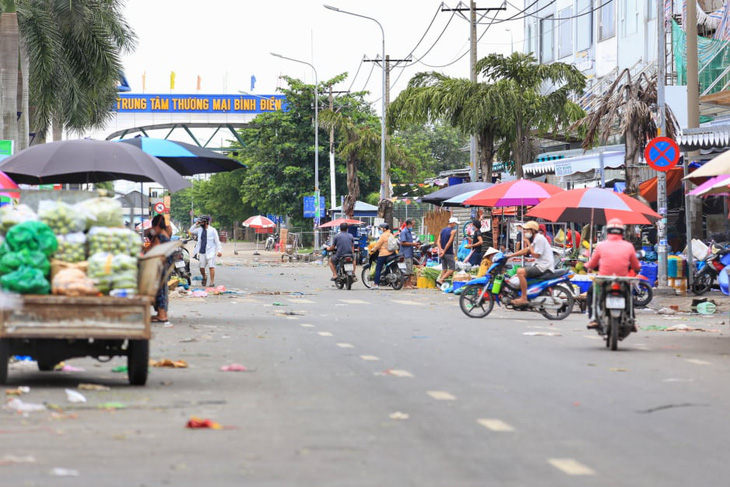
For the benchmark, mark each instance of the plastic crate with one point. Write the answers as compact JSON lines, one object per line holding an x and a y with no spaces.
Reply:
{"x":584,"y":286}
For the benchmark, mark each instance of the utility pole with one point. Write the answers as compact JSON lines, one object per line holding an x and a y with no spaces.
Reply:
{"x":333,"y":190}
{"x":661,"y":175}
{"x":693,"y":211}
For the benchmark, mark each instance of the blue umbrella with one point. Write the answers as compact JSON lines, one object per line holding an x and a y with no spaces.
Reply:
{"x":459,"y":200}
{"x":186,"y":159}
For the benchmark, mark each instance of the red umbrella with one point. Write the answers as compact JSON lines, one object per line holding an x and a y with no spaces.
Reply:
{"x":521,"y":192}
{"x":258,"y":222}
{"x":7,"y":183}
{"x":339,"y":221}
{"x":594,"y":205}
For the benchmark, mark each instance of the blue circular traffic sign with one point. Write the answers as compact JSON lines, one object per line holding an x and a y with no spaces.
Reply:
{"x":662,"y":153}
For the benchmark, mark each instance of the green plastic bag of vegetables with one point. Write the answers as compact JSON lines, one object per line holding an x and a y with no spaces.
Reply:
{"x":32,"y":235}
{"x":36,"y":259}
{"x":26,"y":280}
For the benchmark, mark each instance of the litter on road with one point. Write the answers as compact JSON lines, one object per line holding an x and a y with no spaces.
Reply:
{"x":174,"y":364}
{"x":234,"y":368}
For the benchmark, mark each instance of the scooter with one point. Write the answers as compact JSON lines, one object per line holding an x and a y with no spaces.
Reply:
{"x":549,"y":295}
{"x":271,"y":241}
{"x":710,"y":267}
{"x":614,"y":308}
{"x":391,"y":274}
{"x":181,"y":262}
{"x":345,"y":272}
{"x":423,"y":253}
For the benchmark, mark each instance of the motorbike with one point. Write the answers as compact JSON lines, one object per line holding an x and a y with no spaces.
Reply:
{"x":423,"y":253}
{"x":271,"y":241}
{"x":613,"y":309}
{"x":549,"y":295}
{"x":710,"y":268}
{"x":345,"y":272}
{"x":391,"y":275}
{"x":181,"y":263}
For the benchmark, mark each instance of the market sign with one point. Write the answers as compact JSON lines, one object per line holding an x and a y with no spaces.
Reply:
{"x":309,"y":210}
{"x":563,"y":168}
{"x":662,"y":153}
{"x":6,"y":147}
{"x":137,"y":103}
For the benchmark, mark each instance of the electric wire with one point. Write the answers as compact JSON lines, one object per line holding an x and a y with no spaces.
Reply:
{"x":362,"y":61}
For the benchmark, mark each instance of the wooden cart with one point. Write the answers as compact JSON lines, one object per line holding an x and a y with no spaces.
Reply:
{"x":55,"y":328}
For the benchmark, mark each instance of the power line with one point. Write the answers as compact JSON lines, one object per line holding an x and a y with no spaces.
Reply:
{"x":356,"y":73}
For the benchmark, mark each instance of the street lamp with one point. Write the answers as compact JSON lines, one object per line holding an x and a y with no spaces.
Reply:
{"x":316,"y":146}
{"x":383,"y":192}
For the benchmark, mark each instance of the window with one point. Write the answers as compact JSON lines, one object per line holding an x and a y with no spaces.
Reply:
{"x":630,"y":17}
{"x":565,"y":32}
{"x":547,"y":43}
{"x":651,"y":9}
{"x":531,"y":40}
{"x":607,"y":21}
{"x":584,"y":25}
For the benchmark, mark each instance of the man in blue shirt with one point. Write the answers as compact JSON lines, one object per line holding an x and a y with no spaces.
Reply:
{"x":344,"y":242}
{"x":406,"y":245}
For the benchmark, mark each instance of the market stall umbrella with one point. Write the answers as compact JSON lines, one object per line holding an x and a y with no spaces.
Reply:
{"x":520,"y":192}
{"x":7,"y":183}
{"x":438,"y":197}
{"x":186,"y":159}
{"x":713,"y":186}
{"x":340,"y":221}
{"x":258,"y":222}
{"x":595,"y":206}
{"x":459,"y":199}
{"x":89,"y":161}
{"x":715,"y":167}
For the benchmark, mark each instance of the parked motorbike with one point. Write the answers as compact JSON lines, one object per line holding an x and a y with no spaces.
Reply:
{"x":391,"y":275}
{"x":271,"y":241}
{"x":613,"y":310}
{"x":423,"y":253}
{"x":181,"y":262}
{"x":710,"y":267}
{"x":549,"y":295}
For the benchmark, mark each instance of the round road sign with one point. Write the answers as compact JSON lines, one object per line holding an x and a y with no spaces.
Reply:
{"x":662,"y":153}
{"x":160,"y":207}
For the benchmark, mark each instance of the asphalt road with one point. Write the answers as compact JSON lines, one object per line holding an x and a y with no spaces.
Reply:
{"x":381,"y":388}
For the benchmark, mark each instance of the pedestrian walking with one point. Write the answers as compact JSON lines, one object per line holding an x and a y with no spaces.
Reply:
{"x":207,"y":247}
{"x":159,"y":233}
{"x":445,"y":245}
{"x":476,"y":242}
{"x":407,"y":245}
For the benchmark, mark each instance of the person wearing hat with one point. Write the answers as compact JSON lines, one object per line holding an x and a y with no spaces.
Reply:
{"x":445,"y":245}
{"x":537,"y":246}
{"x":381,"y":247}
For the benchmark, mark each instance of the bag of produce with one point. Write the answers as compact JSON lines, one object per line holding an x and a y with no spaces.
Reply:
{"x":26,"y":280}
{"x":61,"y":217}
{"x":114,"y":241}
{"x":12,"y":261}
{"x":32,"y":235}
{"x":71,"y":247}
{"x":12,"y":215}
{"x":102,"y":212}
{"x":73,"y":282}
{"x":113,"y":271}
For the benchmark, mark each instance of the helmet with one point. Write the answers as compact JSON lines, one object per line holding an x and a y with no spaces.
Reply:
{"x":531,"y":225}
{"x":615,"y":227}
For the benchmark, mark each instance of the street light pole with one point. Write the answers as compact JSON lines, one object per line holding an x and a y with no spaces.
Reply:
{"x":316,"y":147}
{"x":383,"y":190}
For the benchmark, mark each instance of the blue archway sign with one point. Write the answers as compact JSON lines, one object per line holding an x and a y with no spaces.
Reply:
{"x":662,"y":153}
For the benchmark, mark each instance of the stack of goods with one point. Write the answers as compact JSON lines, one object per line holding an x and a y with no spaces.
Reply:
{"x":24,"y":258}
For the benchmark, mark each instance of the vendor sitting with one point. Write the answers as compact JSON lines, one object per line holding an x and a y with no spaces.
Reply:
{"x":537,"y":246}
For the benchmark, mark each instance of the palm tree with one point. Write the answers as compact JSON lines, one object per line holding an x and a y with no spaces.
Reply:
{"x":67,"y":63}
{"x":534,"y":99}
{"x":627,"y":108}
{"x":472,"y":108}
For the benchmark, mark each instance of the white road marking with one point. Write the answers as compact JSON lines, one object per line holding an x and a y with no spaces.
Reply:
{"x":399,"y":415}
{"x":399,"y":373}
{"x":407,"y":303}
{"x":306,"y":325}
{"x":354,"y":301}
{"x":698,"y":361}
{"x":570,"y":466}
{"x":292,"y":318}
{"x":324,"y":334}
{"x":301,"y":301}
{"x":495,"y":425}
{"x":441,"y":395}
{"x":369,"y":357}
{"x":345,"y":345}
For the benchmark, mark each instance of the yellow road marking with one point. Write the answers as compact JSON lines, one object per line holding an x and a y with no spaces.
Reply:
{"x":441,"y":395}
{"x":324,"y":334}
{"x":345,"y":345}
{"x":369,"y":357}
{"x":495,"y":425}
{"x":570,"y":466}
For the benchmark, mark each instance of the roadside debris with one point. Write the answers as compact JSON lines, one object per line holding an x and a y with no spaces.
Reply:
{"x":93,"y":387}
{"x":18,"y":391}
{"x":73,"y":396}
{"x":541,"y":334}
{"x":24,"y":407}
{"x":399,"y":415}
{"x":13,"y":459}
{"x":112,"y":405}
{"x":233,"y":368}
{"x":64,"y":472}
{"x":199,"y":423}
{"x":174,"y":364}
{"x":120,"y":369}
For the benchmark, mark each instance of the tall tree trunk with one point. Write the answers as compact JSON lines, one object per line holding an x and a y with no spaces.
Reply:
{"x":353,"y":188}
{"x":631,"y":160}
{"x":9,"y":49}
{"x":23,"y":97}
{"x":486,"y":155}
{"x":57,"y":131}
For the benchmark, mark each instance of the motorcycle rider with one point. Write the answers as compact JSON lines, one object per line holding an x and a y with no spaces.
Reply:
{"x":538,"y":247}
{"x":344,"y":242}
{"x":612,"y":257}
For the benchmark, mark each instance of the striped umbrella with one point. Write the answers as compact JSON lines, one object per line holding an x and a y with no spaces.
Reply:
{"x":521,"y":192}
{"x":259,"y":222}
{"x":594,"y":205}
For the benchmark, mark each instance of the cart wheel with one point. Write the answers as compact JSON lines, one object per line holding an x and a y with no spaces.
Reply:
{"x":4,"y":359}
{"x":138,"y":357}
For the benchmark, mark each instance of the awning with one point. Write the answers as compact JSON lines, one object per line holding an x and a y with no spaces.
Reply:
{"x":648,"y":189}
{"x":704,"y":138}
{"x":579,"y":164}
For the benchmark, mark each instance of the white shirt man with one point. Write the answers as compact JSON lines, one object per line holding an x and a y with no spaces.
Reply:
{"x":207,"y":246}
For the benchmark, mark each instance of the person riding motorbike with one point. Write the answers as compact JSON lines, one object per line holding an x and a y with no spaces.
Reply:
{"x":538,"y":247}
{"x":612,"y":257}
{"x":344,"y":243}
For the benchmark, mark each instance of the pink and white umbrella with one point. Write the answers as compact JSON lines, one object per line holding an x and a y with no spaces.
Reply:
{"x":259,"y":221}
{"x":713,"y":186}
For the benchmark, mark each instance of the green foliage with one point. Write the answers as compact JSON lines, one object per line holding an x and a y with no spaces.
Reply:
{"x":430,"y":149}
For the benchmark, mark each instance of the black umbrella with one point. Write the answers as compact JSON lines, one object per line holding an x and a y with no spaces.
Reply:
{"x":187,"y":159}
{"x":438,"y":197}
{"x":88,"y":161}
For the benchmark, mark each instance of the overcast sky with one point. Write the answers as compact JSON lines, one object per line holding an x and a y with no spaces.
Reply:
{"x":225,"y":42}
